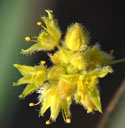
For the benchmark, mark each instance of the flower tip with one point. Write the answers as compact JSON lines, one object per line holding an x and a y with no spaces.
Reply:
{"x":14,"y":84}
{"x":100,"y":110}
{"x":21,"y":96}
{"x":15,"y":65}
{"x":48,"y":11}
{"x":24,"y":51}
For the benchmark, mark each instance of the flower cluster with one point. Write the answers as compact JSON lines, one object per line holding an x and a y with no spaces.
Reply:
{"x":77,"y":67}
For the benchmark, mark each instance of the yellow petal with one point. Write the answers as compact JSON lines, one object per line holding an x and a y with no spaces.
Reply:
{"x":88,"y":94}
{"x":95,"y":98}
{"x":55,"y":72}
{"x":34,"y":76}
{"x":65,"y":88}
{"x":52,"y":26}
{"x":30,"y":88}
{"x":78,"y":61}
{"x":100,"y":72}
{"x":64,"y":55}
{"x":96,"y":58}
{"x":24,"y":70}
{"x":23,"y":80}
{"x":38,"y":77}
{"x":35,"y":47}
{"x":71,"y":79}
{"x":52,"y":100}
{"x":55,"y":106}
{"x":65,"y":106}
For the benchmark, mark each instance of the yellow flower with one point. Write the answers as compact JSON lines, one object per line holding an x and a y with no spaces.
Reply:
{"x":33,"y":76}
{"x":87,"y":91}
{"x":49,"y":37}
{"x":95,"y":57}
{"x":52,"y":99}
{"x":74,"y":75}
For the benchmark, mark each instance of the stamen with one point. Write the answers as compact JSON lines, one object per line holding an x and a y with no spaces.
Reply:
{"x":27,"y":38}
{"x":39,"y":23}
{"x":48,"y":122}
{"x":43,"y":62}
{"x":31,"y":104}
{"x":68,"y":120}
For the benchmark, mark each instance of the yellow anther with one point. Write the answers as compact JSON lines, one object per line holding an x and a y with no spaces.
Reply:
{"x":39,"y":23}
{"x":31,"y":104}
{"x":27,"y":38}
{"x":43,"y":62}
{"x":68,"y":120}
{"x":48,"y":122}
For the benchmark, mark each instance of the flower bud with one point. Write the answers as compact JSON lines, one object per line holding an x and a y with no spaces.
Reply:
{"x":76,"y":39}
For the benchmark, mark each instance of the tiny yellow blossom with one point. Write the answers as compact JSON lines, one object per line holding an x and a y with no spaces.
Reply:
{"x":74,"y":75}
{"x":49,"y":37}
{"x":33,"y":76}
{"x":51,"y":98}
{"x":95,"y":57}
{"x":87,"y":92}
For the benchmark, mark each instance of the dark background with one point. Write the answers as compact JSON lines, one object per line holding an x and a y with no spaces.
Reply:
{"x":103,"y":19}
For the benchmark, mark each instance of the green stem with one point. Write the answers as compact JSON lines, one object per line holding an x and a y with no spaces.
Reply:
{"x":117,"y":61}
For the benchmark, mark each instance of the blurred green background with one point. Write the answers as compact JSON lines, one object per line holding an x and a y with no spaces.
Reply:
{"x":104,"y":21}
